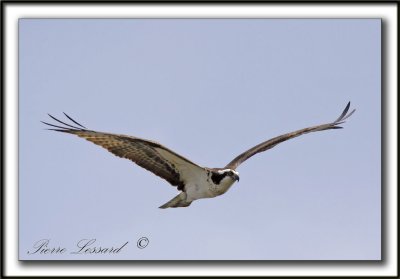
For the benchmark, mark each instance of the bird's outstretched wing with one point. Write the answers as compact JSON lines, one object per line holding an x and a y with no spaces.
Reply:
{"x":150,"y":155}
{"x":274,"y":141}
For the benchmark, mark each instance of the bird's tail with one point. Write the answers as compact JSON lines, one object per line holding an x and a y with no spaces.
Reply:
{"x":178,"y":201}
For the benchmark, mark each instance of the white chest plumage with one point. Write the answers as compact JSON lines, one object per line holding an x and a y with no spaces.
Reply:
{"x":205,"y":187}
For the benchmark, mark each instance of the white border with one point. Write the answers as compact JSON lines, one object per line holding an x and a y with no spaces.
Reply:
{"x":15,"y":11}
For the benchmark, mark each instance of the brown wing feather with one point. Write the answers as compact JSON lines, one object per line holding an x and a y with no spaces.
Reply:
{"x":274,"y":141}
{"x":140,"y":151}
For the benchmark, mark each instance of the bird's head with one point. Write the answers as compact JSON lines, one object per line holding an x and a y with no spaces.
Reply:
{"x":233,"y":175}
{"x":225,"y":176}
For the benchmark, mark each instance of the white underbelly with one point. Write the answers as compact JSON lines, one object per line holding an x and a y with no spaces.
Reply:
{"x":206,"y":190}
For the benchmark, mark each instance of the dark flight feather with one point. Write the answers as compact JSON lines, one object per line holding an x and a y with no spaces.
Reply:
{"x":140,"y":151}
{"x":274,"y":141}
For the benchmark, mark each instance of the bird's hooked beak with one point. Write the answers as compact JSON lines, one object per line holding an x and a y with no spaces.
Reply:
{"x":236,"y":177}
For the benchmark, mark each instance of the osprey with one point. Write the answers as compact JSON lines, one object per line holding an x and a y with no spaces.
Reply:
{"x":194,"y":182}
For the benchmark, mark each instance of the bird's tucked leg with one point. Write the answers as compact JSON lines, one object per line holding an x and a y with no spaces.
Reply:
{"x":178,"y":201}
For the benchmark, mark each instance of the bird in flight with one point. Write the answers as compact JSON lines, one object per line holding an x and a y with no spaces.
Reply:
{"x":194,"y":182}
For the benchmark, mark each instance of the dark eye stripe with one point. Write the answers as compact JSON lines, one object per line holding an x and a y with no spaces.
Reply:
{"x":217,"y":177}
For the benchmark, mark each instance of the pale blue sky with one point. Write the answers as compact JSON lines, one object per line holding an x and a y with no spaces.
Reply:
{"x":208,"y":89}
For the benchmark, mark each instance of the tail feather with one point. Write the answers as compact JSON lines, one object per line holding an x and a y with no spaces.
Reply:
{"x":178,"y":201}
